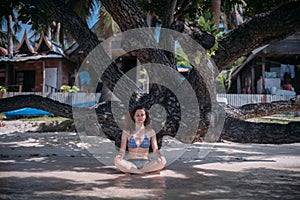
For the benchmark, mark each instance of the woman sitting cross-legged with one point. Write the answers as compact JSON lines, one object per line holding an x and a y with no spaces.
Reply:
{"x":138,"y":142}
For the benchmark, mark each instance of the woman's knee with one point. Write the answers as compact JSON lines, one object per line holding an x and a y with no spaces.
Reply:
{"x":117,"y":162}
{"x":162,"y":161}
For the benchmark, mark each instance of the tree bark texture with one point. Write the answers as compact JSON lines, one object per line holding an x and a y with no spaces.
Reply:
{"x":126,"y":13}
{"x":261,"y":30}
{"x":169,"y":11}
{"x":266,"y":133}
{"x":263,"y":109}
{"x":190,"y":28}
{"x":235,"y":129}
{"x":216,"y":10}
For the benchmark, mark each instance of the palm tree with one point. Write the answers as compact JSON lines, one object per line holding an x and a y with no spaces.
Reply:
{"x":216,"y":10}
{"x":232,"y":15}
{"x":3,"y":33}
{"x":8,"y":17}
{"x":106,"y":26}
{"x":53,"y":28}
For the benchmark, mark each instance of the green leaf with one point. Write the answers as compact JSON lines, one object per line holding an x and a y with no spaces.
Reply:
{"x":143,"y":72}
{"x":142,"y":80}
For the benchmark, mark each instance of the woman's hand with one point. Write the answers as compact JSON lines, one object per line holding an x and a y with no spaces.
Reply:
{"x":160,"y":159}
{"x":119,"y":156}
{"x":157,"y":153}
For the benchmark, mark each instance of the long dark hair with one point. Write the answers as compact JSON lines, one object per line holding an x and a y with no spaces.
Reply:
{"x":129,"y":122}
{"x":133,"y":111}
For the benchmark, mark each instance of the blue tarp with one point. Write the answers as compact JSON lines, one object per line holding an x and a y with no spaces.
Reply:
{"x":33,"y":112}
{"x":25,"y":112}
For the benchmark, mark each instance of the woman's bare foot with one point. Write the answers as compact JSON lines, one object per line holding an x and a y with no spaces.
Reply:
{"x":154,"y":172}
{"x":135,"y":171}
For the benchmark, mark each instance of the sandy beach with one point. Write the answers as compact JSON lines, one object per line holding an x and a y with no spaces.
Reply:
{"x":55,"y":165}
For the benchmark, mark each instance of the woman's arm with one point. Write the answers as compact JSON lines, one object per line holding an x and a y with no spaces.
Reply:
{"x":124,"y":139}
{"x":154,"y":145}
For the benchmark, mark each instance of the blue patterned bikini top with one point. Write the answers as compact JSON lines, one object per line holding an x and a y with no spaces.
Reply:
{"x":144,"y":144}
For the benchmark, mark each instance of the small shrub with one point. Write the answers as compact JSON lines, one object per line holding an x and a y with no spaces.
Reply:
{"x":3,"y":89}
{"x":67,"y":88}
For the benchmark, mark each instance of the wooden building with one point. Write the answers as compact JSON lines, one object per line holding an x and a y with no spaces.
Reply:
{"x":44,"y":68}
{"x":265,"y":69}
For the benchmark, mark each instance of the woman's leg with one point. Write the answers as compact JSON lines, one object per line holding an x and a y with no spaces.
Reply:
{"x":154,"y":165}
{"x":126,"y":166}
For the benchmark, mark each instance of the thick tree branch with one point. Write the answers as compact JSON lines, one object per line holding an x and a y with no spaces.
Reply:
{"x":182,"y":7}
{"x":203,"y":38}
{"x":261,"y":30}
{"x":39,"y":102}
{"x":241,"y":131}
{"x":234,"y":129}
{"x":263,"y":109}
{"x":128,"y":16}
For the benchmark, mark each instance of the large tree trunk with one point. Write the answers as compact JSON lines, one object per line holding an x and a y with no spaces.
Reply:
{"x":216,"y":10}
{"x":169,"y":11}
{"x":234,"y":129}
{"x":128,"y":16}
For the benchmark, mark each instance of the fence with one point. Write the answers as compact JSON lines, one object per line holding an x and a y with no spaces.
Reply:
{"x":91,"y":98}
{"x":242,"y":99}
{"x":77,"y":99}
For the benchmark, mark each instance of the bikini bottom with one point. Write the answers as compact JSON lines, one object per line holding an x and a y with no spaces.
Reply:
{"x":139,"y":163}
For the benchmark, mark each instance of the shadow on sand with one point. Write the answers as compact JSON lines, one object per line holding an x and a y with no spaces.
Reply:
{"x":53,"y":166}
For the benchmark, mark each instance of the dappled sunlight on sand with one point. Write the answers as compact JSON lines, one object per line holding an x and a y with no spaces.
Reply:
{"x":109,"y":192}
{"x":278,"y":164}
{"x":171,"y":174}
{"x":80,"y":177}
{"x":95,"y":184}
{"x":30,"y":142}
{"x":62,"y":166}
{"x":206,"y":174}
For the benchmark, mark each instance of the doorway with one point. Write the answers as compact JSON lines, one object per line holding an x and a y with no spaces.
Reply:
{"x":26,"y":79}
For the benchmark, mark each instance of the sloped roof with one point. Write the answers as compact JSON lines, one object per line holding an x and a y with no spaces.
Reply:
{"x":46,"y":49}
{"x":74,"y":46}
{"x":24,"y":47}
{"x":249,"y":58}
{"x":288,"y":46}
{"x":284,"y":51}
{"x":24,"y":58}
{"x":45,"y":45}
